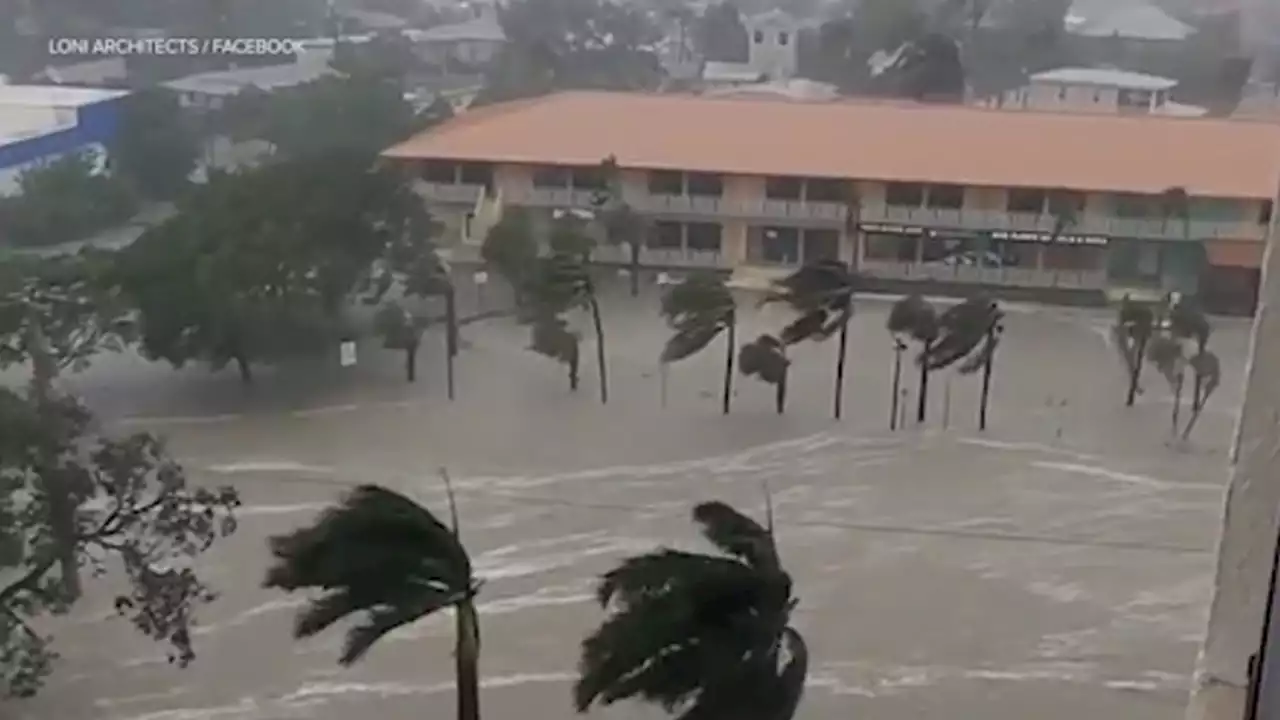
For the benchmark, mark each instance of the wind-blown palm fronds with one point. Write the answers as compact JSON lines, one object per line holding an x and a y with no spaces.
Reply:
{"x":559,"y":283}
{"x":698,"y":309}
{"x":821,"y":293}
{"x":704,"y":636}
{"x":914,"y":318}
{"x":968,"y":335}
{"x":383,"y":557}
{"x":766,"y":358}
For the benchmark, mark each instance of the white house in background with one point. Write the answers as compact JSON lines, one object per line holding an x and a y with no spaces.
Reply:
{"x":474,"y":42}
{"x":772,"y":52}
{"x":40,"y":123}
{"x":798,"y":89}
{"x":1095,"y":90}
{"x":208,"y":91}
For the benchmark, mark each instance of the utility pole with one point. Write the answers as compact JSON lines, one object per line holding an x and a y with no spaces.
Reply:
{"x":1246,"y":548}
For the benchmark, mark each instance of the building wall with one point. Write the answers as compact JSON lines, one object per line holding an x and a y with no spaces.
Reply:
{"x":772,"y":46}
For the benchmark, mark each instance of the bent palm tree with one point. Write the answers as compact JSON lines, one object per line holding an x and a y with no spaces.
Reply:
{"x":822,"y":294}
{"x":382,"y":556}
{"x":914,"y":318}
{"x":622,"y":224}
{"x":968,"y":335}
{"x":1165,"y":353}
{"x":766,"y":358}
{"x":1135,"y":323}
{"x":1188,"y":322}
{"x":698,"y":309}
{"x":1206,"y":369}
{"x":562,"y":282}
{"x":706,"y":636}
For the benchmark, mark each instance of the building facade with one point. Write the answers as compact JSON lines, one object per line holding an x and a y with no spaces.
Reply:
{"x":39,"y":124}
{"x":1069,"y":204}
{"x":1095,"y":90}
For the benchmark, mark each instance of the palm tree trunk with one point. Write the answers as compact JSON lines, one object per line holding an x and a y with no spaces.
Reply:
{"x":986,"y":383}
{"x":411,"y":364}
{"x":1177,"y":400}
{"x":1197,"y":382}
{"x":730,"y":344}
{"x":246,"y":371}
{"x":897,"y":386}
{"x":451,"y":337}
{"x":922,"y":399}
{"x":842,"y":354}
{"x":780,"y":393}
{"x":600,"y":350}
{"x":573,"y":373}
{"x":635,"y":268}
{"x":467,"y":661}
{"x":1135,"y":373}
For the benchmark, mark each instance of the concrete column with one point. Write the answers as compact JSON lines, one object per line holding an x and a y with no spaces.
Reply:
{"x":1247,"y":544}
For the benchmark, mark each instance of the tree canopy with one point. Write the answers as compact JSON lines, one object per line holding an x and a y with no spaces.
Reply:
{"x":66,"y":200}
{"x":260,"y":263}
{"x":156,"y":145}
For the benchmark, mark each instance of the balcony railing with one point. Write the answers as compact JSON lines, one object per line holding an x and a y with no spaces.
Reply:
{"x":449,"y":193}
{"x":660,"y":257}
{"x":1085,"y":225}
{"x":1006,"y":276}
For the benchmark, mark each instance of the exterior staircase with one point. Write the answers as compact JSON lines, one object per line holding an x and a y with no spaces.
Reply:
{"x":756,"y":278}
{"x":486,"y":213}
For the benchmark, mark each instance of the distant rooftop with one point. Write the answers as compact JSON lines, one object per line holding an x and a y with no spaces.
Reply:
{"x":55,"y":95}
{"x":270,"y":77}
{"x":1132,"y":19}
{"x":1104,"y":77}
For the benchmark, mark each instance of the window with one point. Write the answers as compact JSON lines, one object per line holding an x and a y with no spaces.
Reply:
{"x":1129,"y":205}
{"x":666,"y":235}
{"x":887,"y":247}
{"x":1264,"y":214}
{"x":758,"y":37}
{"x":1149,"y":259}
{"x":1064,"y":201}
{"x":666,"y":182}
{"x":821,"y":245}
{"x":434,"y":171}
{"x":1026,"y":200}
{"x":476,"y":174}
{"x":704,"y":184}
{"x":783,"y":188}
{"x":587,"y":178}
{"x":947,"y":197}
{"x":826,"y":190}
{"x":783,"y":39}
{"x":703,"y":237}
{"x":904,"y":194}
{"x":551,"y":176}
{"x":774,"y":245}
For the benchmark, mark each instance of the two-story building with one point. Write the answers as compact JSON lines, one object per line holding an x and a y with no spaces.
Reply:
{"x":1095,"y":90}
{"x":1057,"y":204}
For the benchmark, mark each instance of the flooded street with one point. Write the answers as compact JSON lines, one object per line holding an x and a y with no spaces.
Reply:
{"x":1057,"y":566}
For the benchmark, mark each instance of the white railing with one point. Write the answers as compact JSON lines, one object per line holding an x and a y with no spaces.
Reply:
{"x":968,"y":274}
{"x":462,"y":194}
{"x":1089,"y":225}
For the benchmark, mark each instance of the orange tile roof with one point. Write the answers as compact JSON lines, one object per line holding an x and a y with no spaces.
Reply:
{"x":867,"y":140}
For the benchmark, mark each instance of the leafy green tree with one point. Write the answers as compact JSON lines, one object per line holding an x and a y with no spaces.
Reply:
{"x":156,"y":146}
{"x":384,"y":558}
{"x":56,"y":313}
{"x":821,"y":293}
{"x":765,"y":358}
{"x":913,"y":318}
{"x":131,"y":505}
{"x":623,"y":226}
{"x":511,"y":250}
{"x":360,"y":111}
{"x":697,"y":310}
{"x":705,"y":636}
{"x":968,"y":335}
{"x":719,"y":34}
{"x":930,"y":68}
{"x":262,"y":263}
{"x":1131,"y":334}
{"x":412,"y":267}
{"x":65,"y":200}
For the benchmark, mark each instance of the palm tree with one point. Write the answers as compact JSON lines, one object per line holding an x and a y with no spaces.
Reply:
{"x":1135,"y":324}
{"x":383,"y":557}
{"x":698,"y":309}
{"x":822,"y":294}
{"x":1175,"y":204}
{"x":1165,"y":353}
{"x":1206,"y":369}
{"x":561,"y":282}
{"x":551,"y":337}
{"x":968,"y":335}
{"x":705,"y":636}
{"x":622,"y":224}
{"x":914,"y":318}
{"x":766,"y":358}
{"x":1188,"y":322}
